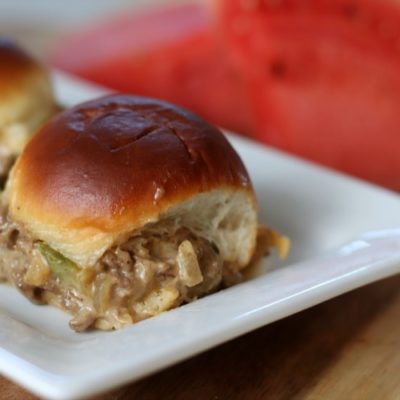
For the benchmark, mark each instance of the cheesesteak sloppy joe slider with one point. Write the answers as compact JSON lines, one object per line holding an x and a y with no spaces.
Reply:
{"x":26,"y":101}
{"x":123,"y":207}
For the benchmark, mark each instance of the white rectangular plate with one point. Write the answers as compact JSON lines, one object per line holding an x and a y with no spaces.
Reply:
{"x":327,"y":216}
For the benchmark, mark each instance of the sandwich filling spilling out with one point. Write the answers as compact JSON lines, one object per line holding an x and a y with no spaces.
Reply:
{"x":153,"y":270}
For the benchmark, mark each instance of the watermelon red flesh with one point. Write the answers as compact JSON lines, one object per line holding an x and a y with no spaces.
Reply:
{"x":169,"y":53}
{"x":324,"y":80}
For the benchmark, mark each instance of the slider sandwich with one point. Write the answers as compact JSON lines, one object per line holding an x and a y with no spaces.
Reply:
{"x":123,"y":207}
{"x":26,"y":101}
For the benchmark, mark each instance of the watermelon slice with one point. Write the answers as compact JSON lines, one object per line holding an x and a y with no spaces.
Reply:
{"x":323,"y":79}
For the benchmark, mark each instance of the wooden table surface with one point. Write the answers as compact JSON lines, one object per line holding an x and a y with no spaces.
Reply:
{"x":346,"y":348}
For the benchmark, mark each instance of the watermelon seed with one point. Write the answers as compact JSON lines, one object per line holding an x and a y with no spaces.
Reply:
{"x":350,"y":11}
{"x":249,"y":5}
{"x":278,"y":69}
{"x":272,"y":3}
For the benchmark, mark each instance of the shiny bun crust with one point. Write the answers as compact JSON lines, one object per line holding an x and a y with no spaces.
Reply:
{"x":15,"y":63}
{"x":106,"y":167}
{"x":18,"y":70}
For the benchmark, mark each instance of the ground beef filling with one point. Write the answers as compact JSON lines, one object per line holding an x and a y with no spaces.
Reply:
{"x":147,"y":274}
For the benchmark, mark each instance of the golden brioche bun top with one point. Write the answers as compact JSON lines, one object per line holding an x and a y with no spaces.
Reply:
{"x":15,"y":63}
{"x":26,"y":98}
{"x":106,"y":167}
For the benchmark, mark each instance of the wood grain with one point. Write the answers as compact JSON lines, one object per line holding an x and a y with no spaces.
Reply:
{"x":346,"y":348}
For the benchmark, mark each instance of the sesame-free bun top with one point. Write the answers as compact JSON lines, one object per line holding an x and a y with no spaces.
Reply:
{"x":103,"y":169}
{"x":26,"y":98}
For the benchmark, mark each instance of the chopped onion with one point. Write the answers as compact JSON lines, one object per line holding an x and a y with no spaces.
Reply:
{"x":189,"y":269}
